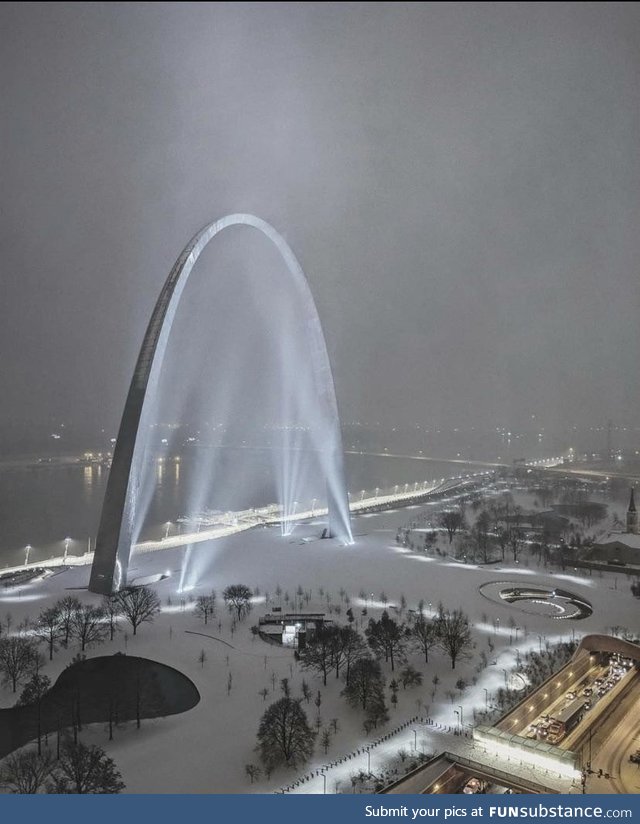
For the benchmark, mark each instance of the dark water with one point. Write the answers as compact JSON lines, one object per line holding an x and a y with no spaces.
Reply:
{"x":42,"y":505}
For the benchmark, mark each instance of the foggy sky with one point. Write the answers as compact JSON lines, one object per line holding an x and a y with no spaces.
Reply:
{"x":460,"y":183}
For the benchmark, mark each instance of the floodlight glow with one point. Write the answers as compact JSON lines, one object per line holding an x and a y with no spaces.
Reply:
{"x":126,"y":501}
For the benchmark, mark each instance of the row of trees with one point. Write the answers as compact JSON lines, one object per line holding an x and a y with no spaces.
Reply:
{"x":81,"y":769}
{"x":339,"y":648}
{"x":70,"y":620}
{"x":89,"y":624}
{"x":237,"y":598}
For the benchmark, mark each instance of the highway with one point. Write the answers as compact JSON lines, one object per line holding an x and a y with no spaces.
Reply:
{"x":550,"y":696}
{"x":618,"y":737}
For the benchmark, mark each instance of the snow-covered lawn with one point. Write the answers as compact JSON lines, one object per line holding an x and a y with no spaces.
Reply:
{"x":206,"y":749}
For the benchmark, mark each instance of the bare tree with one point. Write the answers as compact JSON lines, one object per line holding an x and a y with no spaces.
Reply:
{"x":452,"y":522}
{"x":18,"y":658}
{"x":480,"y":534}
{"x":317,"y":655}
{"x":138,"y":605}
{"x":387,"y":638}
{"x":68,"y":606}
{"x":206,"y":606}
{"x":48,"y":629}
{"x":83,"y":770}
{"x":25,"y":772}
{"x":365,"y":683}
{"x":284,"y":734}
{"x":424,"y":634}
{"x":454,"y":635}
{"x":88,"y":625}
{"x":353,"y":647}
{"x":410,"y":677}
{"x":33,"y":693}
{"x":112,"y":609}
{"x":237,"y":597}
{"x":253,"y":771}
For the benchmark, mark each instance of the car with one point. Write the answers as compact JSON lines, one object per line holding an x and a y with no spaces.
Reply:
{"x":587,"y":691}
{"x":472,"y":786}
{"x":570,"y":696}
{"x":635,"y":757}
{"x":532,"y":731}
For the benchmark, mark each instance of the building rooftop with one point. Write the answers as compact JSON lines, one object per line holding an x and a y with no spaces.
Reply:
{"x":626,"y":538}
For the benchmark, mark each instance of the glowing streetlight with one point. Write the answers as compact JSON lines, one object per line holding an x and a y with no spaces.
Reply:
{"x":27,"y":550}
{"x":313,"y":507}
{"x":167,"y":527}
{"x":67,"y":541}
{"x":362,"y":491}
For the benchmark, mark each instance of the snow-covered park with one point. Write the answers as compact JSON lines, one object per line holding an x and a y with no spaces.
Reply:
{"x":206,"y":749}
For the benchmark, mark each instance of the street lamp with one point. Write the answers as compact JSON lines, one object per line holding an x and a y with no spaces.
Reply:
{"x":415,"y":738}
{"x":362,"y":491}
{"x":27,"y":550}
{"x":461,"y":718}
{"x":324,"y":778}
{"x":506,"y":683}
{"x":486,"y":698}
{"x":459,"y":722}
{"x":313,"y":507}
{"x":167,"y":527}
{"x":368,"y":749}
{"x":67,"y":541}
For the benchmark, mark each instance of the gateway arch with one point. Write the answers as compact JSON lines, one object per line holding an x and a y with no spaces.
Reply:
{"x":114,"y":539}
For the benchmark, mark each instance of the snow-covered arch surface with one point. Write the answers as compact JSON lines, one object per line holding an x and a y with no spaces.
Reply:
{"x":113,"y":543}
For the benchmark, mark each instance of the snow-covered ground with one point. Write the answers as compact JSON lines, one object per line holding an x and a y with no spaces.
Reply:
{"x":206,"y":749}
